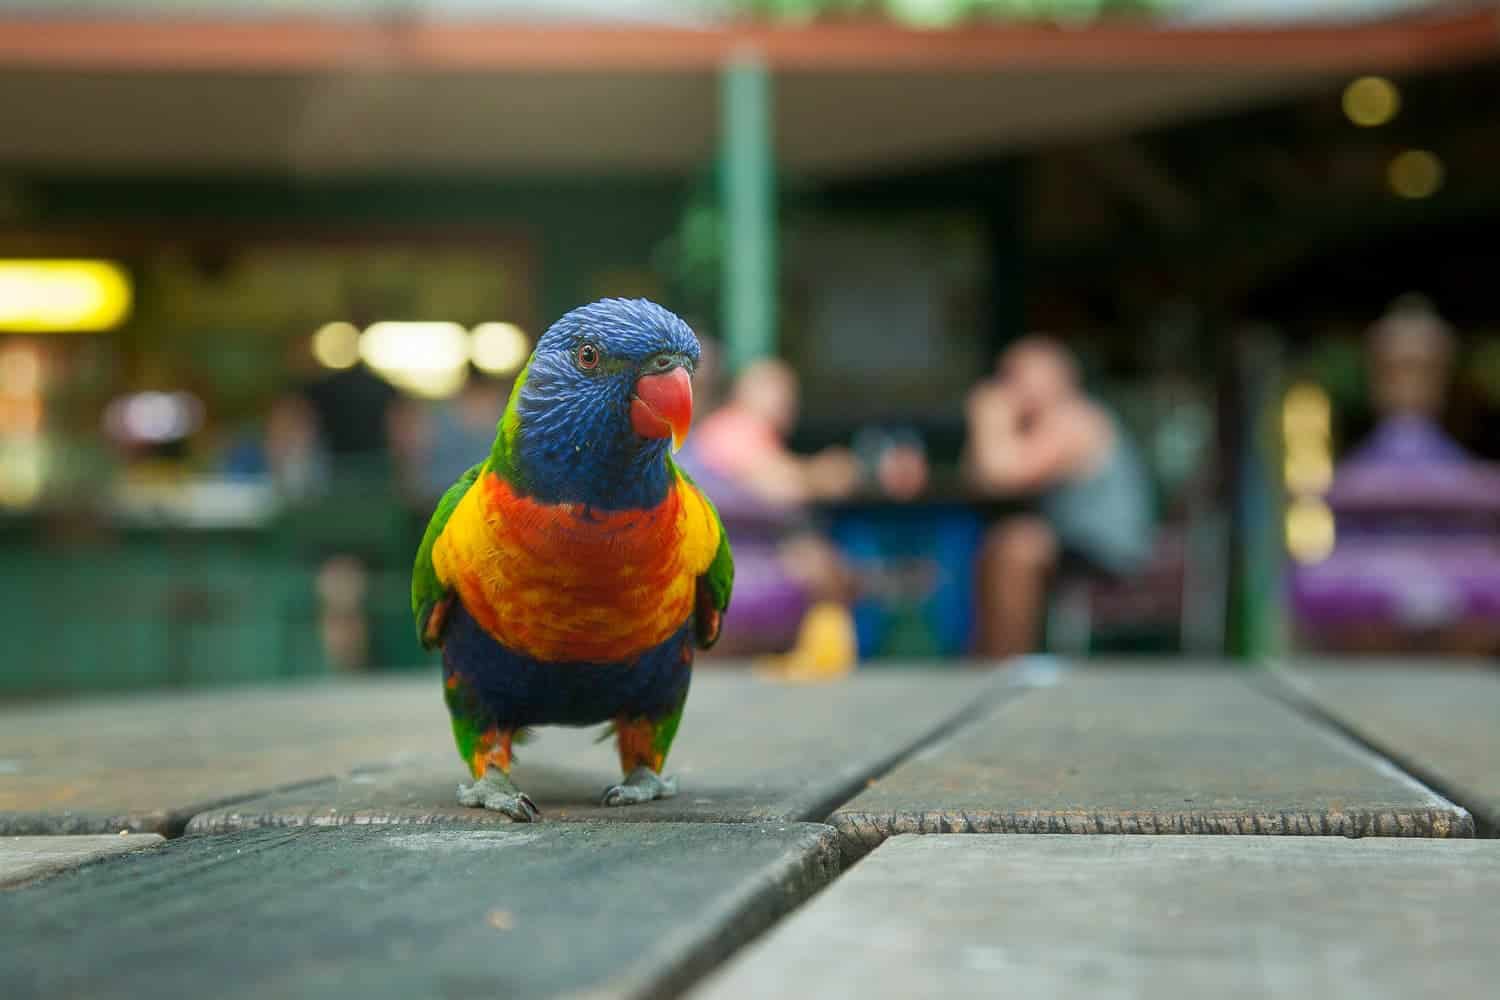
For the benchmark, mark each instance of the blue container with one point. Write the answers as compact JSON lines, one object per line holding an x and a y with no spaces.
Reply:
{"x":915,"y":564}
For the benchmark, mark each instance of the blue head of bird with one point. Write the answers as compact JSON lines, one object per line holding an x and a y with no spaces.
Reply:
{"x":607,"y":390}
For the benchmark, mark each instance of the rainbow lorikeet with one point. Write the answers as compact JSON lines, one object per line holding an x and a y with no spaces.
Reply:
{"x":569,"y":576}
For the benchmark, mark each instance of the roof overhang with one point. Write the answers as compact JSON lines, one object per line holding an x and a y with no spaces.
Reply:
{"x":475,"y":95}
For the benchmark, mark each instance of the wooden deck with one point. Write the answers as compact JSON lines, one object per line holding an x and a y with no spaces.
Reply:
{"x":1045,"y":832}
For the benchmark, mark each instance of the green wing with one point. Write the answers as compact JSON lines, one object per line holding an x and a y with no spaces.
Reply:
{"x":717,"y":583}
{"x":429,"y":597}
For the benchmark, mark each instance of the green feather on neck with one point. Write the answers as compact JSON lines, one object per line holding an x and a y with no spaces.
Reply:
{"x":502,"y":453}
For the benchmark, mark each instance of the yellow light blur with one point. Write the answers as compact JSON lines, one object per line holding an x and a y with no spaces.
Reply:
{"x":1415,"y":173}
{"x":498,"y":348}
{"x":1308,"y":470}
{"x":1306,"y":412}
{"x":1309,"y":530}
{"x":62,"y":296}
{"x":336,"y":345}
{"x":1371,"y":100}
{"x":424,"y":359}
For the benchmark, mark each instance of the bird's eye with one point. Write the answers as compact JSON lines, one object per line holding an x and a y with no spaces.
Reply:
{"x":588,"y":356}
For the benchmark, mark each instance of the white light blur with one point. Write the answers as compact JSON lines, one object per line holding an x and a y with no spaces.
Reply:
{"x":428,"y":359}
{"x":499,"y":348}
{"x":154,"y":417}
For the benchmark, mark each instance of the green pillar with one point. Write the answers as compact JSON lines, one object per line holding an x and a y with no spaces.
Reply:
{"x":748,"y":195}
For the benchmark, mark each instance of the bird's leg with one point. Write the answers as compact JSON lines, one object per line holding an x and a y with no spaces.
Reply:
{"x":492,"y":788}
{"x":643,"y":745}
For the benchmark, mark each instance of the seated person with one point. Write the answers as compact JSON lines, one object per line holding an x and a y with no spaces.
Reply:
{"x":1034,"y":433}
{"x":745,"y":440}
{"x":783,"y":567}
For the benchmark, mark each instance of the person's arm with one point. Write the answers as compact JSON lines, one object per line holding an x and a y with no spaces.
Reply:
{"x":993,"y":449}
{"x":1059,"y":445}
{"x":1065,"y":444}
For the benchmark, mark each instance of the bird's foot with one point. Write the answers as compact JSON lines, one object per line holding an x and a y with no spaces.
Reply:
{"x":640,"y":785}
{"x":496,"y":791}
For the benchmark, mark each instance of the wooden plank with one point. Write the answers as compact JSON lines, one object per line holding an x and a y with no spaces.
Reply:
{"x":1111,"y":916}
{"x":1147,"y":751}
{"x":619,"y":910}
{"x":148,"y":763}
{"x":749,"y":749}
{"x":1441,"y":723}
{"x":495,"y":45}
{"x":25,"y":859}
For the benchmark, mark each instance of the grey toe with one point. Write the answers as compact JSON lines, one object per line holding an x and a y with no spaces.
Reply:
{"x":641,"y":785}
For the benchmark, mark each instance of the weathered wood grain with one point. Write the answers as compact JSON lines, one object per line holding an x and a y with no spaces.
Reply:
{"x":25,"y":859}
{"x":620,"y":910}
{"x":749,"y":749}
{"x":1147,"y":751}
{"x":150,"y":762}
{"x":1240,"y":918}
{"x":1442,"y":723}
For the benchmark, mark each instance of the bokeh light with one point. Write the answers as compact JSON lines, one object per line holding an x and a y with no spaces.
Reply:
{"x":1371,"y":101}
{"x":62,"y":296}
{"x":336,"y":345}
{"x":1305,"y":411}
{"x":154,"y":417}
{"x":499,"y":348}
{"x":1415,"y":174}
{"x":428,"y":359}
{"x":1309,"y":530}
{"x":1308,"y":470}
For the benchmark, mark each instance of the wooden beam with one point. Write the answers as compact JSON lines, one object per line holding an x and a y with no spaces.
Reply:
{"x":299,"y":45}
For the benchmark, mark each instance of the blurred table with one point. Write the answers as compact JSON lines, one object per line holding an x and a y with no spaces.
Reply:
{"x":316,"y":849}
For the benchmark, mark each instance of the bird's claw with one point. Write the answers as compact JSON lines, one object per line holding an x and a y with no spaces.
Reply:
{"x":496,"y":792}
{"x":640,"y":785}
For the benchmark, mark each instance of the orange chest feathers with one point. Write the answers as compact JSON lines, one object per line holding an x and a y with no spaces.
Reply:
{"x":562,"y":583}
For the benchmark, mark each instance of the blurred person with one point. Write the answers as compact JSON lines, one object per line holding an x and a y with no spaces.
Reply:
{"x":791,"y":585}
{"x":1414,"y":567}
{"x":1410,"y":360}
{"x":357,"y":414}
{"x":295,"y":457}
{"x":435,"y":443}
{"x":1034,"y":433}
{"x":286,"y":451}
{"x":745,"y":439}
{"x":354,"y":410}
{"x":708,"y":377}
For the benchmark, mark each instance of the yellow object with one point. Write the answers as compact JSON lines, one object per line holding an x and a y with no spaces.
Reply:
{"x":826,"y":647}
{"x":336,"y":345}
{"x":1310,"y":531}
{"x":1415,"y":174}
{"x":62,"y":296}
{"x":1371,"y":101}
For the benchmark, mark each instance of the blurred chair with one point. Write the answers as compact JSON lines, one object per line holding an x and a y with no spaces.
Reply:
{"x":1177,"y":602}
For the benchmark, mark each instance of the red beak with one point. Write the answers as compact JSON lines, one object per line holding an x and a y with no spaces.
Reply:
{"x":663,"y":406}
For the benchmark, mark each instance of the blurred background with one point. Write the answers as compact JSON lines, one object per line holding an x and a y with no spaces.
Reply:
{"x":1088,"y":326}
